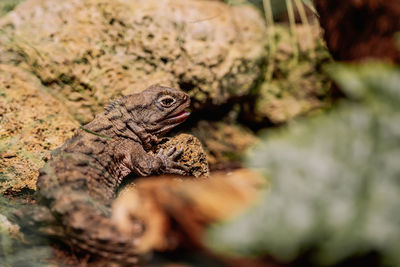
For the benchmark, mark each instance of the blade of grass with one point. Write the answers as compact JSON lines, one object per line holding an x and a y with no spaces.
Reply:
{"x":269,"y":16}
{"x":310,"y":5}
{"x":305,"y":22}
{"x":292,"y":24}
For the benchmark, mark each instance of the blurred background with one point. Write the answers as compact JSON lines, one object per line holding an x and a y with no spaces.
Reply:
{"x":305,"y":92}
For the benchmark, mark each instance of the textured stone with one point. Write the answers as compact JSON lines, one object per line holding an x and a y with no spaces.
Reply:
{"x":91,"y":51}
{"x":32,"y":123}
{"x":296,"y":82}
{"x":193,"y":155}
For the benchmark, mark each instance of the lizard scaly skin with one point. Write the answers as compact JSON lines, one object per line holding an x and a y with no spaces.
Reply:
{"x":79,"y":182}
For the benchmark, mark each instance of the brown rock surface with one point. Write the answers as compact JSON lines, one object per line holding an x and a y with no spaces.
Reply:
{"x":90,"y":51}
{"x":32,"y":123}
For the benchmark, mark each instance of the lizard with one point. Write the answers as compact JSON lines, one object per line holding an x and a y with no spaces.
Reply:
{"x":79,"y":181}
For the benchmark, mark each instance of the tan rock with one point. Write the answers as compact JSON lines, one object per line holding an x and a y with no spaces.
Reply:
{"x":32,"y":123}
{"x":91,"y":51}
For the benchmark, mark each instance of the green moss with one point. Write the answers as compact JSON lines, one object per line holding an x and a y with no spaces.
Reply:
{"x":2,"y":92}
{"x":8,"y":5}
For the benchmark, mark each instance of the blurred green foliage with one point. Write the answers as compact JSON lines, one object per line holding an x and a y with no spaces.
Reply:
{"x":335,"y":190}
{"x":8,"y":5}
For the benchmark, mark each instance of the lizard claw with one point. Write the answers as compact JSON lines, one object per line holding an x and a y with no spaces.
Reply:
{"x":177,"y":165}
{"x":176,"y":153}
{"x":168,"y":159}
{"x":170,"y":151}
{"x":160,"y":152}
{"x":178,"y":172}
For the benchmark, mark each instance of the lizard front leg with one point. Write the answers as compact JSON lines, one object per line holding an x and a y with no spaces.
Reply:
{"x":132,"y":156}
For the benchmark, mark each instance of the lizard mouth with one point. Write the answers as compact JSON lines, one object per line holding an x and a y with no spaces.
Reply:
{"x":179,"y":115}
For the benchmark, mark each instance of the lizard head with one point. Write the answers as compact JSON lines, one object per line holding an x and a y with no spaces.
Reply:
{"x":158,"y":109}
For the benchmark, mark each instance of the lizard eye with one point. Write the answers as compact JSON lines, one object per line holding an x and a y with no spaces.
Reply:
{"x":166,"y":101}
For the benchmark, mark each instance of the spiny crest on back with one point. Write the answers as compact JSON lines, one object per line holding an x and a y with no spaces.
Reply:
{"x":113,"y":104}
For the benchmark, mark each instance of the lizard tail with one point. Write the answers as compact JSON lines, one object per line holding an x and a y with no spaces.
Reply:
{"x":88,"y":226}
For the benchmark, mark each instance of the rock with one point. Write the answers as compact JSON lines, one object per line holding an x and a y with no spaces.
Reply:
{"x":193,"y":155}
{"x":224,"y":142}
{"x":32,"y":123}
{"x":296,"y":85}
{"x":90,"y":51}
